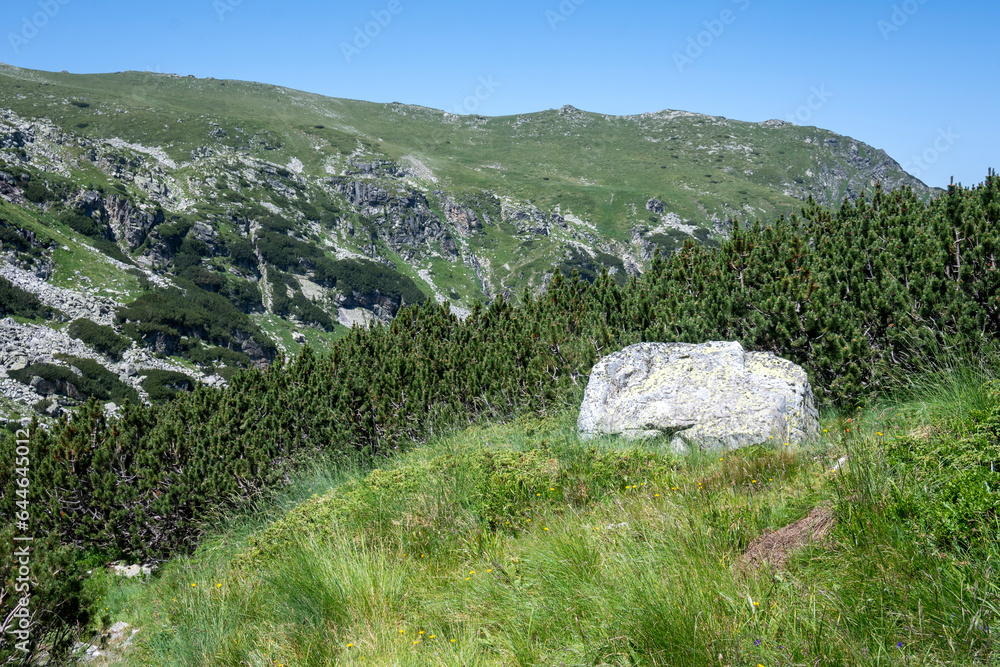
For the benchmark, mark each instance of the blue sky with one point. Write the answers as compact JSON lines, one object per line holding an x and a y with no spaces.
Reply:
{"x":918,"y":78}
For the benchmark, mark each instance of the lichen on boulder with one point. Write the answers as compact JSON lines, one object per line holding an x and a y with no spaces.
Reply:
{"x":714,"y":395}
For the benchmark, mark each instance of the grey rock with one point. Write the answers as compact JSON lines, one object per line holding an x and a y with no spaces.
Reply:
{"x":24,"y":344}
{"x":715,"y":395}
{"x":130,"y":224}
{"x":410,"y":225}
{"x":44,"y":387}
{"x":376,"y":167}
{"x":204,"y":232}
{"x":530,"y":220}
{"x":53,"y":408}
{"x":252,"y":349}
{"x":463,"y":218}
{"x":129,"y":572}
{"x":383,"y":306}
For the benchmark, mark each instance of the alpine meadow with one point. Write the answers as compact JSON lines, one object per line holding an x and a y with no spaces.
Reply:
{"x":294,"y":380}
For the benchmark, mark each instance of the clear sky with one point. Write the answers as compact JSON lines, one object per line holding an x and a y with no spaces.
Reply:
{"x":918,"y":78}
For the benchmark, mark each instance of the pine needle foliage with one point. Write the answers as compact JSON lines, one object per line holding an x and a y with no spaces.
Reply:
{"x":861,"y":297}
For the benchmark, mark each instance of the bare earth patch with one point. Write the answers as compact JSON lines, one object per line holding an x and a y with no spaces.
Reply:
{"x":776,"y":546}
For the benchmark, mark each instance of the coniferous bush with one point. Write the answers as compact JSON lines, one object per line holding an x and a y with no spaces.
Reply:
{"x":16,"y":301}
{"x":101,"y":338}
{"x":94,"y":380}
{"x":862,"y":296}
{"x":366,"y":277}
{"x":859,"y":296}
{"x":172,"y":233}
{"x":162,"y":386}
{"x":23,"y":242}
{"x":241,"y":253}
{"x":35,"y":191}
{"x":84,"y":224}
{"x":288,"y":300}
{"x":173,"y":313}
{"x":287,"y":253}
{"x":243,"y":294}
{"x":59,"y":599}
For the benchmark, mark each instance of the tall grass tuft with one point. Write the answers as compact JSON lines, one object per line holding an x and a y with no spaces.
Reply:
{"x":603,"y":553}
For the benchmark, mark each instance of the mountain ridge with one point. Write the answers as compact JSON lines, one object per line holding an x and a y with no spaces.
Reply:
{"x":298,"y":215}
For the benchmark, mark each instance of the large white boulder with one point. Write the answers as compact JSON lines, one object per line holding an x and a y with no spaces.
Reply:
{"x":715,"y":395}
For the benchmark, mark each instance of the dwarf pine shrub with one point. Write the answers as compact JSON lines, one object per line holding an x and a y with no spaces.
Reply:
{"x":101,"y":338}
{"x":864,"y":297}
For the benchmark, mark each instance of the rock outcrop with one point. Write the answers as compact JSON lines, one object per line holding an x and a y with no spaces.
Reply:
{"x":71,"y":303}
{"x":22,"y":345}
{"x":463,"y":218}
{"x":715,"y":395}
{"x":128,"y":223}
{"x":407,"y":221}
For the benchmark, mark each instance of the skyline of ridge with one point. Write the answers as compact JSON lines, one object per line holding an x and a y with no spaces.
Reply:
{"x":912,"y":77}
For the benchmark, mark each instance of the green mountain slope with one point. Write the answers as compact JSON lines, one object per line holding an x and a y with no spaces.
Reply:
{"x":297,"y":215}
{"x":700,"y":165}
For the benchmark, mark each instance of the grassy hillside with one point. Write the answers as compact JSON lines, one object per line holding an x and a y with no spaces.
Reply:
{"x":245,"y":243}
{"x":310,"y":214}
{"x":574,"y":160}
{"x":866,"y":325}
{"x":73,"y":254}
{"x":521,"y":545}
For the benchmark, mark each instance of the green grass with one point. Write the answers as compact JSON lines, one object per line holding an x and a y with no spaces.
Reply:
{"x":281,"y":330}
{"x":74,"y":255}
{"x":13,"y":410}
{"x":519,"y":544}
